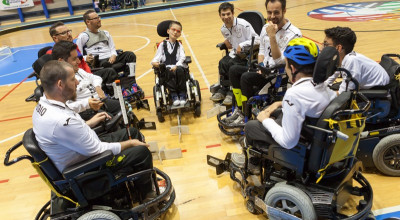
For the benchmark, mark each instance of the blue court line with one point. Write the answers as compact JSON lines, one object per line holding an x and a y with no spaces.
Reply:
{"x":388,"y":215}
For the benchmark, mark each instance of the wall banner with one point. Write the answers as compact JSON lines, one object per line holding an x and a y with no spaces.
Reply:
{"x":14,"y":4}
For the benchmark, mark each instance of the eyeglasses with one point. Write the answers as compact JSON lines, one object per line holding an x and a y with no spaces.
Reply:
{"x":64,"y":32}
{"x":177,"y":31}
{"x":95,"y":18}
{"x":326,"y":44}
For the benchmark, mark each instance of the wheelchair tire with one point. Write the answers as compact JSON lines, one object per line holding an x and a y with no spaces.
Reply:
{"x":198,"y":89}
{"x":160,"y":116}
{"x":197,"y":111}
{"x":99,"y":214}
{"x":385,"y":155}
{"x":292,"y":200}
{"x":251,"y":207}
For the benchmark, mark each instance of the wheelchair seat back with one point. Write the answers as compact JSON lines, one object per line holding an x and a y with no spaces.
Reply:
{"x":39,"y":63}
{"x":255,"y":18}
{"x":393,"y":69}
{"x":42,"y":163}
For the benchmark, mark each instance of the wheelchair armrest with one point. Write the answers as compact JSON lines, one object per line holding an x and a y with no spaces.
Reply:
{"x":371,"y":93}
{"x":119,"y":51}
{"x":188,"y":60}
{"x":88,"y":164}
{"x":109,"y":125}
{"x":222,"y":46}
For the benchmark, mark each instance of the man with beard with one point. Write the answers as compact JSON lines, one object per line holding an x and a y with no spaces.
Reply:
{"x":89,"y":89}
{"x":99,"y":42}
{"x":238,"y":34}
{"x":60,"y":32}
{"x":275,"y":36}
{"x":67,"y":139}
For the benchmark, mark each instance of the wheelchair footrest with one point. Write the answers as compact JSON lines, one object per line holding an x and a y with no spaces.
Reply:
{"x":220,"y":165}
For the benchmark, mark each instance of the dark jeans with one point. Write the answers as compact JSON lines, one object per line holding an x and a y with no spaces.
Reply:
{"x":223,"y":67}
{"x":235,"y":73}
{"x":257,"y":134}
{"x":131,"y":160}
{"x":175,"y":81}
{"x":120,"y":62}
{"x":111,"y":106}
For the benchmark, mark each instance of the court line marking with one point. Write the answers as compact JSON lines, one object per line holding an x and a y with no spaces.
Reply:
{"x":193,"y":55}
{"x":386,"y":210}
{"x":146,"y":38}
{"x":12,"y":137}
{"x":9,"y":74}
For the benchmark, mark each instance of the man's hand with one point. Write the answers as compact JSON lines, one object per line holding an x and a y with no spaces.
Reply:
{"x":238,"y":50}
{"x":112,"y":59}
{"x":95,"y":104}
{"x":263,"y":115}
{"x":89,"y":59}
{"x":271,"y":29}
{"x":136,"y":142}
{"x":173,"y":68}
{"x":97,"y":118}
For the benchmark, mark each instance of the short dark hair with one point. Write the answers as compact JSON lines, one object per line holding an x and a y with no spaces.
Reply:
{"x":283,"y":3}
{"x":226,"y":5}
{"x":306,"y":69}
{"x":63,"y":50}
{"x":175,"y":22}
{"x":51,"y":72}
{"x":86,"y":15}
{"x":52,"y":29}
{"x":343,"y":36}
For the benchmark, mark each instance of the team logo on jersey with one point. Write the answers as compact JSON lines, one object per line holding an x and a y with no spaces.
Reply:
{"x":67,"y":122}
{"x":359,"y":11}
{"x":289,"y":103}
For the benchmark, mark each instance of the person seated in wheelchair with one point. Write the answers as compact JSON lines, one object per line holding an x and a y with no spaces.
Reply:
{"x":67,"y":139}
{"x":238,"y":34}
{"x":60,"y":32}
{"x":89,"y":92}
{"x":275,"y":36}
{"x":367,"y":72}
{"x":169,"y":60}
{"x":304,"y":99}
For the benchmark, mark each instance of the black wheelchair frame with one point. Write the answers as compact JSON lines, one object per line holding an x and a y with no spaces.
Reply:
{"x":71,"y":197}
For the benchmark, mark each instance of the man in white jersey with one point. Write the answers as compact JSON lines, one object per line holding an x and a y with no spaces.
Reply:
{"x":89,"y":92}
{"x":304,"y":99}
{"x":274,"y":38}
{"x":99,"y":42}
{"x":238,"y":34}
{"x":67,"y":139}
{"x":367,"y":72}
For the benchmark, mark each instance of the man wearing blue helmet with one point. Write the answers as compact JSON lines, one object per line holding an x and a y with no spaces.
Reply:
{"x":304,"y":99}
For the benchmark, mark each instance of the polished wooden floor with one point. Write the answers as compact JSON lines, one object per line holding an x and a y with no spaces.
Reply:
{"x":200,"y":193}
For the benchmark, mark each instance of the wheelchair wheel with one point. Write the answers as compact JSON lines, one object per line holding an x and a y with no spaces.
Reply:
{"x":99,"y":214}
{"x":197,"y":110}
{"x":291,"y":200}
{"x":251,"y":207}
{"x":385,"y":155}
{"x":198,"y":89}
{"x":160,"y":116}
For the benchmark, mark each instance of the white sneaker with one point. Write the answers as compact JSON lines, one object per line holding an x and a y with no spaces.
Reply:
{"x":182,"y":99}
{"x":238,"y":159}
{"x":239,"y":121}
{"x":236,"y":113}
{"x":175,"y":100}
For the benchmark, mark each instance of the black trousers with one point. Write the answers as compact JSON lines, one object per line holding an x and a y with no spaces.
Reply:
{"x":175,"y":81}
{"x":224,"y":67}
{"x":131,"y":160}
{"x":109,"y":75}
{"x":235,"y":74}
{"x":257,"y":135}
{"x":251,"y":83}
{"x":120,"y":62}
{"x":111,"y":106}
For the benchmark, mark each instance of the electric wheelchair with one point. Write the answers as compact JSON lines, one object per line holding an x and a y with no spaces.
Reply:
{"x":379,"y":143}
{"x":162,"y":97}
{"x":257,"y":21}
{"x":86,"y":191}
{"x":314,"y":179}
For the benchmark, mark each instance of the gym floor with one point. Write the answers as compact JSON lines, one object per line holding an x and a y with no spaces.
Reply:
{"x":200,"y":193}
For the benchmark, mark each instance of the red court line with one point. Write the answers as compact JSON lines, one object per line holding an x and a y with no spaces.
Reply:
{"x":4,"y":181}
{"x":184,"y":151}
{"x":12,"y":119}
{"x":8,"y":93}
{"x":34,"y":176}
{"x":214,"y":145}
{"x":312,"y":40}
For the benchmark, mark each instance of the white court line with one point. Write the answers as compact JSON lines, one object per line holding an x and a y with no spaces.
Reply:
{"x":18,"y":51}
{"x":12,"y":137}
{"x":148,"y":71}
{"x":147,"y":39}
{"x":193,"y":55}
{"x":386,"y":210}
{"x":8,"y":74}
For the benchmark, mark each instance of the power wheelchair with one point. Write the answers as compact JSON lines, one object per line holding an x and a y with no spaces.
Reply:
{"x":257,"y":21}
{"x":162,"y":97}
{"x":379,"y":143}
{"x":84,"y":191}
{"x":314,"y":179}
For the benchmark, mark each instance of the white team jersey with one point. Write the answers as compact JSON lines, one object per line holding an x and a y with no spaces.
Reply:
{"x":64,"y":136}
{"x":86,"y":89}
{"x":283,"y":37}
{"x":239,"y":34}
{"x":367,"y":72}
{"x":303,"y":99}
{"x":104,"y":50}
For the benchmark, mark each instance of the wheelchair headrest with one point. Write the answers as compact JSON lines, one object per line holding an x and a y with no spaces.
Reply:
{"x":326,"y":64}
{"x":162,"y":28}
{"x":255,"y":18}
{"x":39,"y":63}
{"x":31,"y":145}
{"x":43,"y":51}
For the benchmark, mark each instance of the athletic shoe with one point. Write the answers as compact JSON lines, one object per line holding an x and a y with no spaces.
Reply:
{"x":233,"y":116}
{"x":239,"y":121}
{"x":239,"y":159}
{"x":175,"y":100}
{"x":216,"y":97}
{"x":182,"y":98}
{"x":227,"y":100}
